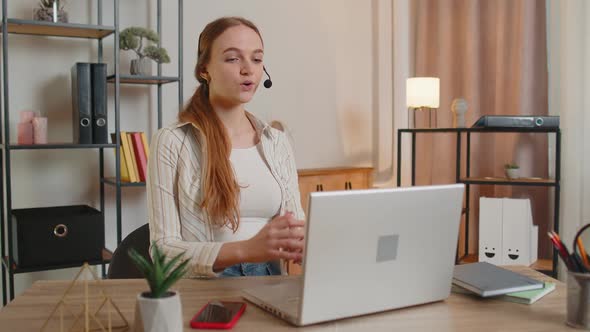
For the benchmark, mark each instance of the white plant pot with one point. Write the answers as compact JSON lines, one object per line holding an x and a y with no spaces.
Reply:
{"x":47,"y":14}
{"x":141,"y":67}
{"x":163,"y":314}
{"x":512,"y":173}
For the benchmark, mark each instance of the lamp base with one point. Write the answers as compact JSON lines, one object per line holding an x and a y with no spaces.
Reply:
{"x":417,"y":118}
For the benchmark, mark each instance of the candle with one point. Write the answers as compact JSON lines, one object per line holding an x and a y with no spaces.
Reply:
{"x":25,"y":133}
{"x":40,"y":130}
{"x":26,"y":116}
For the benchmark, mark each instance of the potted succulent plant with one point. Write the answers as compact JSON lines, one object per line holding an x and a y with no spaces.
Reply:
{"x":160,"y":308}
{"x":512,"y":170}
{"x":51,"y":10}
{"x":133,"y":39}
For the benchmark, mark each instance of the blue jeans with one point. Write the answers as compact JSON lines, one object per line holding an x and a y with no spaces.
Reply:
{"x":252,"y":269}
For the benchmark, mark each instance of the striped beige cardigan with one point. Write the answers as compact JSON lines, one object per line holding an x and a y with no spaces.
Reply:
{"x":174,"y":182}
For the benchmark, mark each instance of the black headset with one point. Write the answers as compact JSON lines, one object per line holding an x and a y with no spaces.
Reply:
{"x":267,"y":83}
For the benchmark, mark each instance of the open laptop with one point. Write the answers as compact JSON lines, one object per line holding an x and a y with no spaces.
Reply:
{"x":369,"y":251}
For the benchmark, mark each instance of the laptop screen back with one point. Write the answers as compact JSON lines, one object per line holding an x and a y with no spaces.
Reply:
{"x":374,"y":250}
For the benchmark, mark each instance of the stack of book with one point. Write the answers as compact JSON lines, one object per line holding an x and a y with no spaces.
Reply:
{"x":490,"y":281}
{"x":134,"y":156}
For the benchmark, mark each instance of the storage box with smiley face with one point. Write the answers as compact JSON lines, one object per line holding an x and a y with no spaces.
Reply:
{"x":507,"y":235}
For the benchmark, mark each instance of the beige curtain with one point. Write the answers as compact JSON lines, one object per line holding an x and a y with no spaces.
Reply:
{"x":569,"y":84}
{"x":493,"y":54}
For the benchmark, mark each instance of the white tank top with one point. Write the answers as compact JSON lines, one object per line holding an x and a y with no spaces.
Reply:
{"x":260,"y":194}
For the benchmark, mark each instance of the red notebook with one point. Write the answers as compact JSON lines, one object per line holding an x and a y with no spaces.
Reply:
{"x":139,"y":151}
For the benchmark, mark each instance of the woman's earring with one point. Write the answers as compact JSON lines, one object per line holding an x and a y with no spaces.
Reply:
{"x":205,"y":76}
{"x":206,"y":84}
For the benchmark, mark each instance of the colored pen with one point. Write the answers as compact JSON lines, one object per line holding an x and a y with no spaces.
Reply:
{"x":556,"y":236}
{"x":583,"y":253}
{"x":559,"y":250}
{"x":562,"y":251}
{"x":577,"y":265}
{"x":578,"y":261}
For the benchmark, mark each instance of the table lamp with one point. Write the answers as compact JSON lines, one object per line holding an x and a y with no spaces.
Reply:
{"x":423,"y":94}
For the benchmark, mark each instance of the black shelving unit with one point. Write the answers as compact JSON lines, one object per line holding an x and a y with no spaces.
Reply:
{"x":113,"y":182}
{"x":86,"y":31}
{"x":106,"y":257}
{"x":158,"y":80}
{"x":469,"y":181}
{"x":63,"y":146}
{"x":47,"y":29}
{"x":70,"y":30}
{"x":154,"y":80}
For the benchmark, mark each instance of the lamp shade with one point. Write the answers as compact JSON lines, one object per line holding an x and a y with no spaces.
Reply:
{"x":423,"y":92}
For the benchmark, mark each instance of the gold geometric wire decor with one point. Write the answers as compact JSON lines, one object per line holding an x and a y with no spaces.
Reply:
{"x":85,"y":310}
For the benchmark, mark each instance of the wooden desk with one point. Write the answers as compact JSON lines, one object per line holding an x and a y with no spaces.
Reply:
{"x":458,"y":313}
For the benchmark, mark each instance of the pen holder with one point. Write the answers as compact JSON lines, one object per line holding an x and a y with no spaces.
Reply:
{"x":578,"y":300}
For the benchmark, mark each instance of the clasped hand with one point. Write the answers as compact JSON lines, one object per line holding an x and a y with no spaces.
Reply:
{"x":280,"y":238}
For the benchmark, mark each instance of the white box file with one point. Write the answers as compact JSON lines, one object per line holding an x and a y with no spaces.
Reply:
{"x":507,"y":235}
{"x":490,"y":230}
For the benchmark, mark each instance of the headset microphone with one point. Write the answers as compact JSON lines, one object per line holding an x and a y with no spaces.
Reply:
{"x":267,"y":83}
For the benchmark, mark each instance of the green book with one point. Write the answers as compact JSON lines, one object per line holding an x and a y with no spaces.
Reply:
{"x":529,"y":297}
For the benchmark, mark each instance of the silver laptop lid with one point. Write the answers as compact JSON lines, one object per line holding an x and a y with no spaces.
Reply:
{"x":379,"y":249}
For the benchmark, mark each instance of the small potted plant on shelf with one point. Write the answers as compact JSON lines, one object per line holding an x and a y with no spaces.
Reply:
{"x":133,"y":39}
{"x":159,"y":309}
{"x":512,"y":170}
{"x":51,"y":10}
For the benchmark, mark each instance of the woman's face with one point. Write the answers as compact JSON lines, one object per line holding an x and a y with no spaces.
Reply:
{"x":235,"y":68}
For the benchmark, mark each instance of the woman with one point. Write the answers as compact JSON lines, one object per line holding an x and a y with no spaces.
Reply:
{"x":222,"y":185}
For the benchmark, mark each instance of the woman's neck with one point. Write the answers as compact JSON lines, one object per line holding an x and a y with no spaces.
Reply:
{"x":239,"y":129}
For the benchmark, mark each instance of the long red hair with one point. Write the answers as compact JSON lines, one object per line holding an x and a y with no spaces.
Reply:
{"x":220,"y":189}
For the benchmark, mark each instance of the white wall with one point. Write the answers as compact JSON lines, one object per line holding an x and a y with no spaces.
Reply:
{"x":320,"y":54}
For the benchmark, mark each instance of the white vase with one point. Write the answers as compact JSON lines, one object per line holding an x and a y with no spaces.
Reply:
{"x":48,"y":14}
{"x":141,"y":67}
{"x":162,"y":314}
{"x":512,"y":173}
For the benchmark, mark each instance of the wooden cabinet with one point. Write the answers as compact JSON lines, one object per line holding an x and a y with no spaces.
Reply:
{"x":330,"y":179}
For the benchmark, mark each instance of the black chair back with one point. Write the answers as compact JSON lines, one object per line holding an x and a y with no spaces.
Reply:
{"x":121,"y":266}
